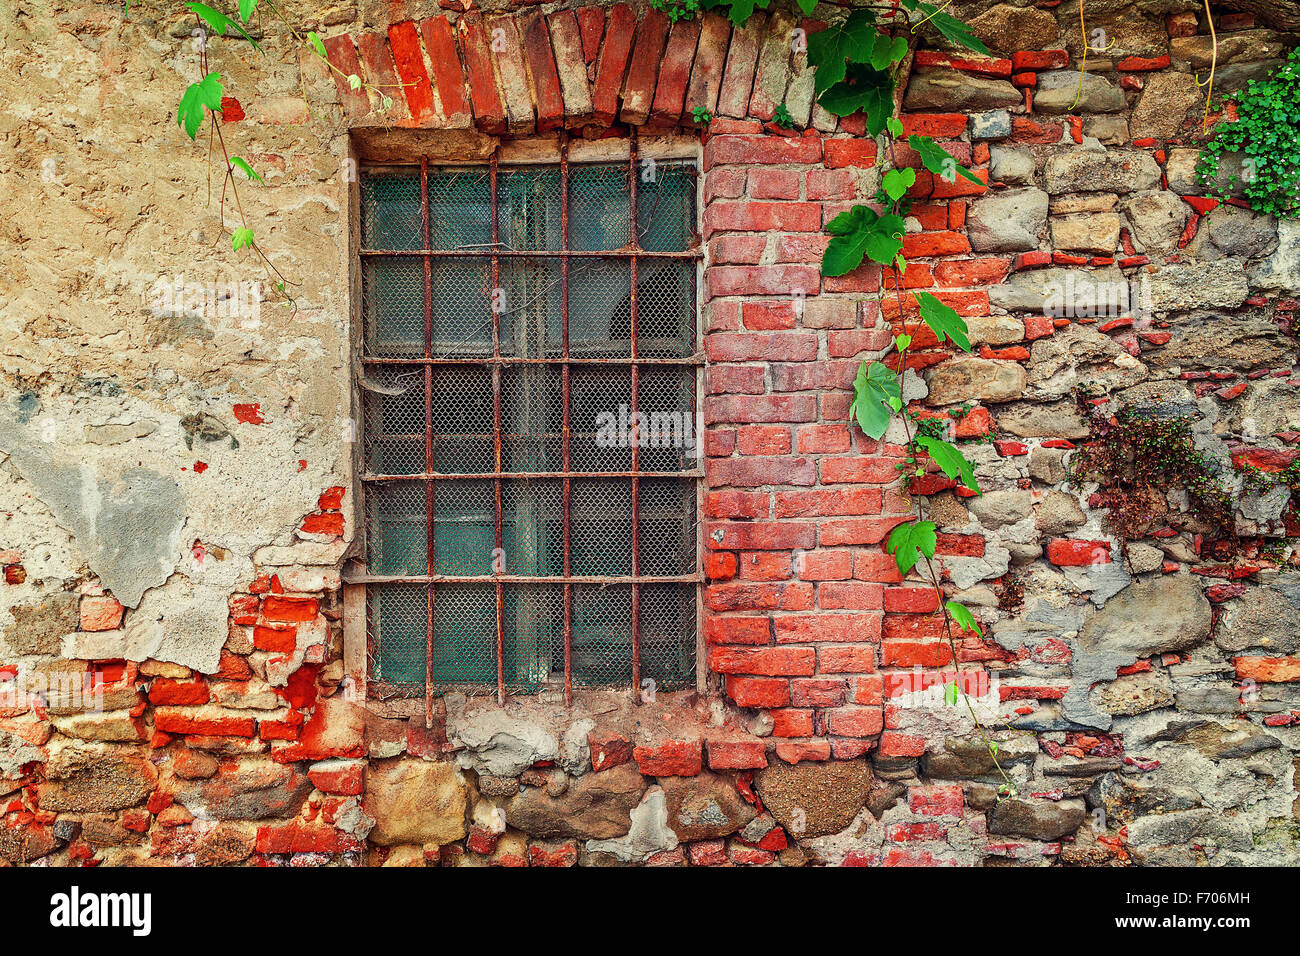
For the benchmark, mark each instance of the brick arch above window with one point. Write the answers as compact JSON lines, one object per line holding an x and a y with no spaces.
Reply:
{"x":591,"y":67}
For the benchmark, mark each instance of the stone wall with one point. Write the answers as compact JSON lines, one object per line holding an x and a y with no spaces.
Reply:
{"x":177,"y":497}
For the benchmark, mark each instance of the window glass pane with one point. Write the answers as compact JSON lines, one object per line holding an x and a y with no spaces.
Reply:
{"x":462,"y":419}
{"x":460,"y":208}
{"x":390,"y":210}
{"x":665,"y":318}
{"x":532,"y":527}
{"x":530,"y":300}
{"x":528,"y":207}
{"x":666,"y":526}
{"x":532,"y":418}
{"x":601,"y":526}
{"x":665,"y":213}
{"x":463,"y":535}
{"x":397,"y":621}
{"x":669,"y":431}
{"x":464,"y":633}
{"x":600,"y":207}
{"x":600,"y":308}
{"x":602,"y":634}
{"x":600,"y":418}
{"x":393,"y":403}
{"x":395,"y":529}
{"x":461,"y":307}
{"x":392,"y":304}
{"x":668,"y":616}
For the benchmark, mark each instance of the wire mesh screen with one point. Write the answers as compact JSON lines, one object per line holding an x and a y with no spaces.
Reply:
{"x":529,"y":393}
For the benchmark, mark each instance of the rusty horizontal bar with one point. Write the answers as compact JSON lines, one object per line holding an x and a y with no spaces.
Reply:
{"x":524,"y":475}
{"x":489,"y":252}
{"x":519,"y":579}
{"x":697,"y":358}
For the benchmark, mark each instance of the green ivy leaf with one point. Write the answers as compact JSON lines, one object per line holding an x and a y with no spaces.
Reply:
{"x":829,"y":50}
{"x":962,"y":617}
{"x":860,"y":233}
{"x":895,"y":126}
{"x":807,"y":6}
{"x":874,"y":386}
{"x":246,"y":8}
{"x":908,"y":542}
{"x":220,"y":23}
{"x":866,"y":89}
{"x":897,"y":182}
{"x":901,"y":342}
{"x":951,"y":694}
{"x":242,"y":164}
{"x":241,"y":237}
{"x":939,"y":161}
{"x":885,"y":53}
{"x":198,"y":96}
{"x":317,"y":44}
{"x":354,"y":81}
{"x":943,"y":320}
{"x":952,"y":29}
{"x":950,"y":461}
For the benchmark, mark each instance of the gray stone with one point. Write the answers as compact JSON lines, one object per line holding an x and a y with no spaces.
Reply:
{"x":496,"y":743}
{"x":1180,"y":173}
{"x":1156,"y":219}
{"x":1218,"y":741}
{"x":595,"y":806}
{"x":1060,"y":420}
{"x":1058,"y":513}
{"x":1156,"y":616}
{"x":1057,"y":291}
{"x":1281,"y":270}
{"x":1143,"y":558}
{"x":963,"y":758}
{"x":1220,"y":284}
{"x":1013,"y":220}
{"x":705,"y":807}
{"x":415,"y":801}
{"x":250,"y":789}
{"x":1098,"y":232}
{"x":815,"y":799}
{"x":999,"y":507}
{"x":1095,"y":170}
{"x":39,"y":627}
{"x":1077,"y":356}
{"x":576,"y":748}
{"x":1134,"y":694}
{"x":1015,"y":167}
{"x":1233,"y":231}
{"x":1037,"y":819}
{"x":1062,"y":91}
{"x":953,"y":91}
{"x":1179,"y":828}
{"x":1253,"y":619}
{"x":89,"y":779}
{"x":994,"y":329}
{"x":995,"y":124}
{"x":648,"y":834}
{"x":1108,"y":128}
{"x":1008,"y":29}
{"x":1198,"y":52}
{"x":1166,"y":99}
{"x":1246,"y":341}
{"x":965,"y":378}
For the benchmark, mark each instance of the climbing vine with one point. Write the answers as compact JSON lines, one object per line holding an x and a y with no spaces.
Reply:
{"x":1266,"y":135}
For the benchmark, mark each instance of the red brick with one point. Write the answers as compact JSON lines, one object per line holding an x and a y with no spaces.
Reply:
{"x":748,"y":216}
{"x":738,"y":77}
{"x":608,"y":750}
{"x":643,"y":68}
{"x":541,"y":65}
{"x":827,"y":502}
{"x":936,"y":125}
{"x":935,"y":653}
{"x":329,"y":522}
{"x":489,"y":110}
{"x":1269,"y":670}
{"x":791,"y":722}
{"x":857,"y":530}
{"x":707,"y":853}
{"x":165,"y":690}
{"x":824,"y":565}
{"x":740,"y":504}
{"x":846,"y":659}
{"x":409,"y":58}
{"x":290,"y":610}
{"x":901,"y":745}
{"x":756,"y":408}
{"x":818,"y":692}
{"x":842,"y":153}
{"x":936,"y":801}
{"x":344,"y":779}
{"x":919,"y":244}
{"x":912,"y":600}
{"x":763,"y":661}
{"x":282,"y":640}
{"x":671,"y":758}
{"x":824,"y":184}
{"x":342,"y":55}
{"x":591,"y":21}
{"x":797,"y":751}
{"x":381,"y":72}
{"x":720,"y":565}
{"x":1067,"y":552}
{"x":758,"y":691}
{"x":839,"y":628}
{"x":850,"y":595}
{"x":440,"y":43}
{"x":303,"y":837}
{"x":675,"y":72}
{"x":755,"y":472}
{"x":759,"y":596}
{"x":855,"y":721}
{"x":763,"y":440}
{"x":757,"y":150}
{"x":190,"y":722}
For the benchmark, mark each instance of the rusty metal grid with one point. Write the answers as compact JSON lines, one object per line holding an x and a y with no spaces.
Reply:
{"x":529,"y":391}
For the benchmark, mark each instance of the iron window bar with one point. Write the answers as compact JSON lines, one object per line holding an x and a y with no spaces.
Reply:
{"x":492,"y":255}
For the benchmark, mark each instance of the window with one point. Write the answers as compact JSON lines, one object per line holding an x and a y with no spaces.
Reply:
{"x":530,"y":371}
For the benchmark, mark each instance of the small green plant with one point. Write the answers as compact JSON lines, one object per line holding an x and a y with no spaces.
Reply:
{"x":676,"y":10}
{"x":782,"y":117}
{"x":701,"y":115}
{"x":1266,"y":135}
{"x":1135,"y":458}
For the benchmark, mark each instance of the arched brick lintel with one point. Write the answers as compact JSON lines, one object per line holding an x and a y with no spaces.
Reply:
{"x":587,"y":68}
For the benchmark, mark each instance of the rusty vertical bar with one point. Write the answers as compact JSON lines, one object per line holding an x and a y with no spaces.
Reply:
{"x":425,"y":238}
{"x":634,"y":242}
{"x":496,"y":427}
{"x":564,"y":403}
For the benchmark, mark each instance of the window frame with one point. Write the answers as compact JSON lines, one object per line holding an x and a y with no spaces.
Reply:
{"x":562,"y":152}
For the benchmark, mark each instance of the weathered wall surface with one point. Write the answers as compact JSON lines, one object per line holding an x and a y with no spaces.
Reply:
{"x":177,"y":499}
